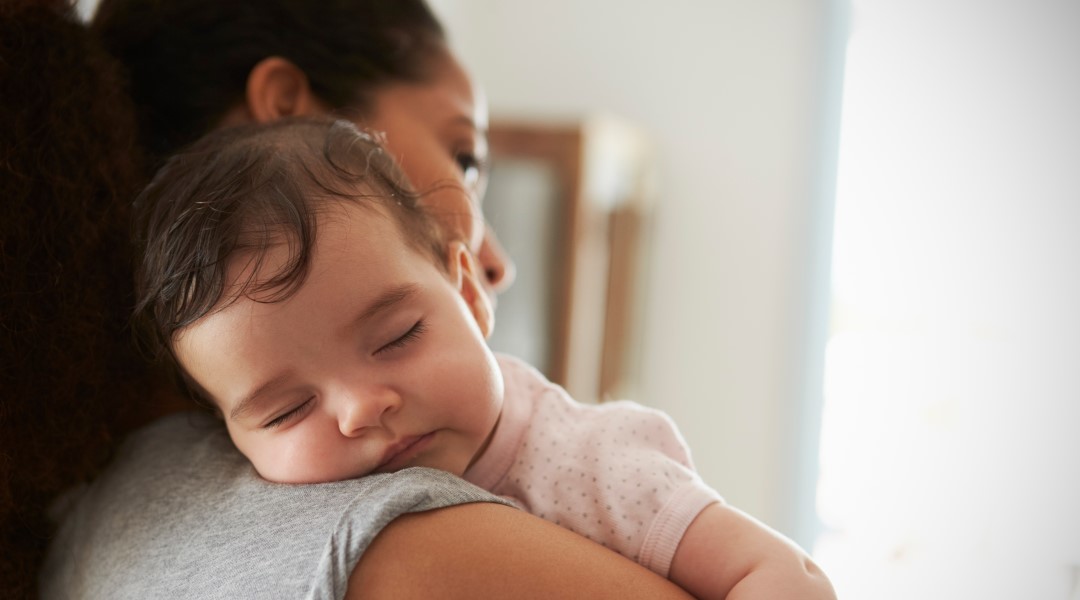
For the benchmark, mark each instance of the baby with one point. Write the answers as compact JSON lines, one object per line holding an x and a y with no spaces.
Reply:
{"x":307,"y":294}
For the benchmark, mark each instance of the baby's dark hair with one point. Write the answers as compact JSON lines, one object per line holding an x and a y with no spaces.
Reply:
{"x":246,"y":189}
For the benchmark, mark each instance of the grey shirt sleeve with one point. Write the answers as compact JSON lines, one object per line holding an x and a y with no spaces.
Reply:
{"x":181,"y":514}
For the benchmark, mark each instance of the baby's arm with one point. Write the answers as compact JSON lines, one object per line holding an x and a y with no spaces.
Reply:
{"x":727,"y":554}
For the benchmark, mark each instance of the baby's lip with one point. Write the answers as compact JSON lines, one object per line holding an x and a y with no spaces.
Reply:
{"x":399,"y":453}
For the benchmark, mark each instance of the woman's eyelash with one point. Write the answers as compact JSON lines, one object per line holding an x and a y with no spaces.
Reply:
{"x":412,"y":334}
{"x":467,"y":161}
{"x":289,"y":416}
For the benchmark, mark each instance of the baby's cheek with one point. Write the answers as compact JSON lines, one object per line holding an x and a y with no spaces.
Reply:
{"x":284,"y":461}
{"x":486,"y":384}
{"x":260,"y":456}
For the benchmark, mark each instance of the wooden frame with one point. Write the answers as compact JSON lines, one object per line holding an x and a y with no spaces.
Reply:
{"x":598,"y":172}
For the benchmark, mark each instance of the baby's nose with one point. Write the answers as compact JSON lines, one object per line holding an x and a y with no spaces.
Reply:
{"x":365,"y":409}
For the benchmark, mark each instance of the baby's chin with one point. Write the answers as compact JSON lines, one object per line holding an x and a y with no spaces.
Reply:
{"x":306,"y":478}
{"x":297,"y":474}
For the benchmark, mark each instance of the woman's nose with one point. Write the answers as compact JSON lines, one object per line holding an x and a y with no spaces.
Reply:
{"x":499,"y":271}
{"x":367,"y":408}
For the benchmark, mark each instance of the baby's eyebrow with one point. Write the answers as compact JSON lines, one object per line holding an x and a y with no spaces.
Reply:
{"x":385,"y":301}
{"x":248,"y":402}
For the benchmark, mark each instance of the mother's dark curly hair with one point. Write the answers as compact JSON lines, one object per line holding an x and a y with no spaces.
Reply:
{"x":69,"y":379}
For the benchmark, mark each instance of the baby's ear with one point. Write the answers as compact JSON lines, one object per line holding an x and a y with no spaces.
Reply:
{"x":277,"y":88}
{"x":466,"y":278}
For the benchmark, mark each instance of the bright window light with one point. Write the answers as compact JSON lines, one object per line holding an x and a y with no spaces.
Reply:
{"x":950,"y":454}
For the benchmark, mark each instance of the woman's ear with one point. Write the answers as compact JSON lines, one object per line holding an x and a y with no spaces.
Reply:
{"x":466,"y":278}
{"x":278,"y":88}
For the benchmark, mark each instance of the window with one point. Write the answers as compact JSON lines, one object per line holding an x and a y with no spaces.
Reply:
{"x":950,"y":461}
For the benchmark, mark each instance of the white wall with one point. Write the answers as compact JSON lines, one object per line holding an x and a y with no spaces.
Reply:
{"x":735,"y":95}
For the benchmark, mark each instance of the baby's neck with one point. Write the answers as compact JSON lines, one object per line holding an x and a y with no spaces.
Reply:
{"x":487,"y":442}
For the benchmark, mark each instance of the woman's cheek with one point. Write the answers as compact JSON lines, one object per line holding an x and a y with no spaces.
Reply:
{"x":477,"y":229}
{"x":458,"y":214}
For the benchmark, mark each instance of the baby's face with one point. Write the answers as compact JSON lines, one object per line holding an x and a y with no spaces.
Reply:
{"x":375,"y":364}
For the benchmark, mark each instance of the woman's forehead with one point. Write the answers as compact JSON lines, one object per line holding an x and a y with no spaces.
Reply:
{"x":448,"y":97}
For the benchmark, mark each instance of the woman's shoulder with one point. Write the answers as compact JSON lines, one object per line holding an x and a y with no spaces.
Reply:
{"x":180,"y":512}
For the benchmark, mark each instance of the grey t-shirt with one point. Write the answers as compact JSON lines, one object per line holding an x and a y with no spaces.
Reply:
{"x":181,"y":514}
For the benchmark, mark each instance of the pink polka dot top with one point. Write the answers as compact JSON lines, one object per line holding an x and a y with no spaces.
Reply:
{"x":618,"y":473}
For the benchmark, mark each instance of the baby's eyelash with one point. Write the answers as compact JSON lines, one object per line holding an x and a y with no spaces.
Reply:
{"x":289,"y":416}
{"x":412,"y":334}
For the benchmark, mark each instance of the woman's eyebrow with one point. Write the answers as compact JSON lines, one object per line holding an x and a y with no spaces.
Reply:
{"x":468,"y":122}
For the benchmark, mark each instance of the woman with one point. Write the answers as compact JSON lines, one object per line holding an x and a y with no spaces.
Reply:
{"x":197,"y":64}
{"x":69,"y":377}
{"x":178,"y":513}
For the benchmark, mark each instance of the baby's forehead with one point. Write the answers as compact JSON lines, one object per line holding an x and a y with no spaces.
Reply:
{"x":270,"y":260}
{"x":373,"y":209}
